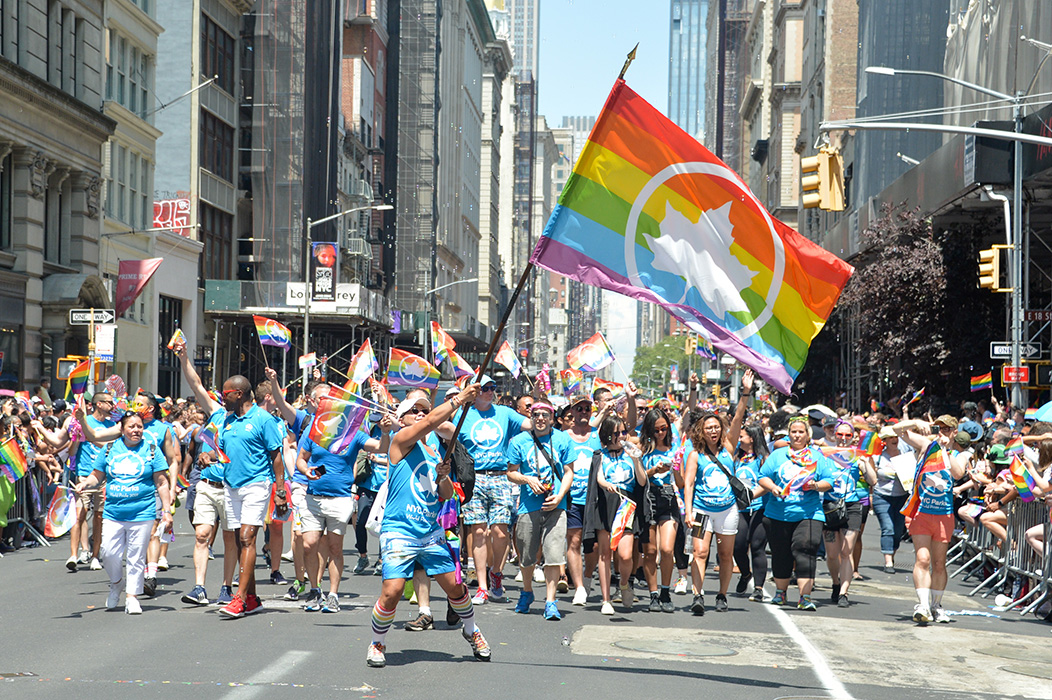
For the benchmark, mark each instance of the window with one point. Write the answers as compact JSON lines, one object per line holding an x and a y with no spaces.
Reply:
{"x":169,"y":317}
{"x":217,"y":54}
{"x":217,"y":233}
{"x":217,"y":146}
{"x":5,"y":202}
{"x":128,"y":180}
{"x":127,"y":75}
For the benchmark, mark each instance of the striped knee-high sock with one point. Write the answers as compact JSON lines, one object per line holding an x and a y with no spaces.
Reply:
{"x":462,"y":606}
{"x":382,"y":619}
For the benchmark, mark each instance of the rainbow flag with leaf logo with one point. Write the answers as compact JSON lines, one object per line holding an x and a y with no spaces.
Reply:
{"x":441,"y":343}
{"x":406,"y":369}
{"x":591,"y":355}
{"x":650,"y":213}
{"x":615,"y":388}
{"x":461,"y":367}
{"x":61,"y":512}
{"x":981,"y":382}
{"x":271,"y":332}
{"x":335,"y":423}
{"x":1022,"y":478}
{"x":934,"y":460}
{"x":571,"y":380}
{"x":363,"y":364}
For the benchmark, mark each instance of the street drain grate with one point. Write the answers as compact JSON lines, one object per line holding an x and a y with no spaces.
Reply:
{"x":674,"y":648}
{"x":1014,"y":654}
{"x":1028,"y":670}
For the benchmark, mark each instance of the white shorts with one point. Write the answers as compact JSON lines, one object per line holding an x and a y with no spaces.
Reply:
{"x":330,"y":513}
{"x":247,"y":505}
{"x":210,"y":505}
{"x":722,"y":522}
{"x":298,"y":499}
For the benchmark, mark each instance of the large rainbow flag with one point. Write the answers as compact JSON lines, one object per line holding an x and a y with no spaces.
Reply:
{"x":650,"y":213}
{"x":271,"y":332}
{"x":335,"y":423}
{"x":406,"y":369}
{"x":61,"y":513}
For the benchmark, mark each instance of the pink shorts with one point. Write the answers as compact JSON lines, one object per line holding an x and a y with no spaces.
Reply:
{"x":938,"y":527}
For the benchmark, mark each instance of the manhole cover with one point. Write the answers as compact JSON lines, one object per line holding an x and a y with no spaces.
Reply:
{"x":1032,"y":671}
{"x":1015,"y":654}
{"x":674,"y":648}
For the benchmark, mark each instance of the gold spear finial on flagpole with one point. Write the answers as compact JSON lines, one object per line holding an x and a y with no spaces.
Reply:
{"x":628,"y":61}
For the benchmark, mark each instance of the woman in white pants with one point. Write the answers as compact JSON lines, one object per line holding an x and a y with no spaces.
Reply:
{"x":135,"y":473}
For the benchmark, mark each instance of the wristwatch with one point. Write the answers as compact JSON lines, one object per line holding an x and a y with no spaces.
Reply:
{"x":280,"y":493}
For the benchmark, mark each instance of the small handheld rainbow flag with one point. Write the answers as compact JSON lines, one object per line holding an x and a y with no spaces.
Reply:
{"x":916,"y":396}
{"x":363,"y":364}
{"x":271,"y":332}
{"x":335,"y":423}
{"x":181,"y":480}
{"x":176,"y":338}
{"x":622,"y":521}
{"x":22,"y":397}
{"x":933,"y":461}
{"x":1022,"y":478}
{"x":1031,"y":413}
{"x":441,"y":343}
{"x":615,"y":388}
{"x":272,"y":509}
{"x":506,"y":357}
{"x":406,"y":369}
{"x":77,"y":383}
{"x":14,"y":460}
{"x":461,"y":367}
{"x":210,"y":437}
{"x":571,"y":380}
{"x":983,"y":381}
{"x":61,"y":513}
{"x":591,"y":355}
{"x":380,"y":393}
{"x":869,"y":443}
{"x":1015,"y":446}
{"x":875,"y":406}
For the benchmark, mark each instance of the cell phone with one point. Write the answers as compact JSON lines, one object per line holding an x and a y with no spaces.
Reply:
{"x":320,"y":470}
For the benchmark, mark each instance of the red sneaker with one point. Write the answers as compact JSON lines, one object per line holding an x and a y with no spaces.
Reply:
{"x":234,"y":609}
{"x":254,"y":605}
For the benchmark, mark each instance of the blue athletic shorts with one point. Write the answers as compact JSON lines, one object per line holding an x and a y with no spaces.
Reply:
{"x":401,"y":553}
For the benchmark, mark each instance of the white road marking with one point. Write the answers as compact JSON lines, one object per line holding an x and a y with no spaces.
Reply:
{"x":821,"y":668}
{"x":256,"y":684}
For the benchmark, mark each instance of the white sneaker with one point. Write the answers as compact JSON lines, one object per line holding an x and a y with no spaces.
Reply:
{"x":96,"y":565}
{"x":921,"y":614}
{"x":162,"y":564}
{"x":131,"y":606}
{"x":71,"y":563}
{"x":287,"y":556}
{"x":940,"y":615}
{"x":114,"y":597}
{"x":538,"y":575}
{"x":607,"y":609}
{"x":518,"y":576}
{"x":681,"y":586}
{"x":580,"y":596}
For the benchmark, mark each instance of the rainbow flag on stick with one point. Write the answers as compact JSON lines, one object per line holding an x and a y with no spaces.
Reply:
{"x":209,"y":436}
{"x":1015,"y":446}
{"x":622,"y":521}
{"x":650,"y":213}
{"x":916,"y":396}
{"x":441,"y":343}
{"x":177,"y":337}
{"x":506,"y":356}
{"x":363,"y":364}
{"x":1022,"y":478}
{"x":335,"y":423}
{"x":571,"y":380}
{"x":615,"y":388}
{"x":61,"y":513}
{"x":869,"y":444}
{"x":271,"y":332}
{"x":14,"y":460}
{"x":181,"y":480}
{"x":934,"y":460}
{"x":591,"y":355}
{"x":77,"y":383}
{"x":461,"y":367}
{"x":981,"y":382}
{"x":407,"y":369}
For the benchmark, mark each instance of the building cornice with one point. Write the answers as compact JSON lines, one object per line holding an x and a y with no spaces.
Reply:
{"x":31,"y":90}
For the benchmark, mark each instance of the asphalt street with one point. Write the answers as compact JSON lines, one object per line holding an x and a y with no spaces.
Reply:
{"x":62,"y":643}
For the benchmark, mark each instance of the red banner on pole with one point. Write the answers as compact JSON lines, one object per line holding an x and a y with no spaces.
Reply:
{"x":132,"y":276}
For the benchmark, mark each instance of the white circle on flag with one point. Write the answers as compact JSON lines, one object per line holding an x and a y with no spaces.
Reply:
{"x":724,"y":173}
{"x":272,"y":329}
{"x":411,"y":371}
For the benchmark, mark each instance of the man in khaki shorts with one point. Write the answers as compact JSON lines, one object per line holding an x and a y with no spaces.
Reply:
{"x":540,"y":462}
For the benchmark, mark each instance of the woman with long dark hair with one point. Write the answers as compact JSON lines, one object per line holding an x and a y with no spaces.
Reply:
{"x":708,"y":494}
{"x":750,"y":544}
{"x":655,"y":440}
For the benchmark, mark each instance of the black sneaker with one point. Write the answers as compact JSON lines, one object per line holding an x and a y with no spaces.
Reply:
{"x":313,"y":601}
{"x":665,"y":599}
{"x":421,"y":623}
{"x":743,"y":584}
{"x":451,"y":615}
{"x":721,"y":603}
{"x":655,"y":604}
{"x":843,"y":602}
{"x":698,"y":606}
{"x":149,"y":586}
{"x":834,"y":597}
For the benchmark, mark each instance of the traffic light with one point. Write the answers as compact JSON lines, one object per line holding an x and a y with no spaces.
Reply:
{"x":822,"y":180}
{"x":811,"y":181}
{"x":990,"y":269}
{"x":691,"y":345}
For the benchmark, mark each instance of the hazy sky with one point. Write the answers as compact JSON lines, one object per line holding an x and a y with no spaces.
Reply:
{"x":583,"y":46}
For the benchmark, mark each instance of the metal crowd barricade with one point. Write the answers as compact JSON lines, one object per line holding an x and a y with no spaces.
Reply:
{"x":19,"y":512}
{"x":1020,"y":559}
{"x":976,"y":541}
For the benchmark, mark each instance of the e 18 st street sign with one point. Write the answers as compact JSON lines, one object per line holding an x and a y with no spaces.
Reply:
{"x":1027,"y":351}
{"x":86,"y":317}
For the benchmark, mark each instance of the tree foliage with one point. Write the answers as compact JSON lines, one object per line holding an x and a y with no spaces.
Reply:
{"x":655,"y":361}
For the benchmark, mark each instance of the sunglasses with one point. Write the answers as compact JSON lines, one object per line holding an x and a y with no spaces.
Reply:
{"x":583,"y":408}
{"x":230,"y":391}
{"x":540,"y":414}
{"x":418,"y":411}
{"x":489,"y":387}
{"x":845,"y":435}
{"x":660,"y":430}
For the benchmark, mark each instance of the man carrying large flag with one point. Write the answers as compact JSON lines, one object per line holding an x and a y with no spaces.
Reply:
{"x":648,"y":212}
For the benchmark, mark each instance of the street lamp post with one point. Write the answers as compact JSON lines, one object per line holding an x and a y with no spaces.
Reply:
{"x":1016,"y":266}
{"x":306,"y":272}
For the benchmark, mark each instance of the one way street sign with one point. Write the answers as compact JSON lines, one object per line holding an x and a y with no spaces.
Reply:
{"x":1027,"y":351}
{"x":83,"y":317}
